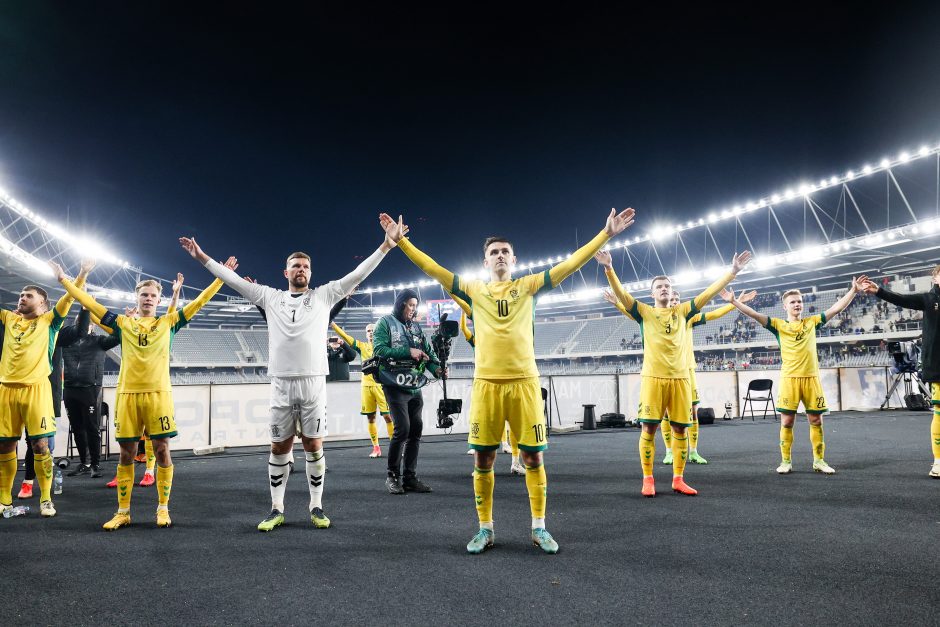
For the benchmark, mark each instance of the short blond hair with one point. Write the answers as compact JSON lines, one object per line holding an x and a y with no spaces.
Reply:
{"x":148,"y":283}
{"x":790,"y":293}
{"x":936,"y":270}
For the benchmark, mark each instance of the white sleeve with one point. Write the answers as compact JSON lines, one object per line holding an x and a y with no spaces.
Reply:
{"x":253,"y":292}
{"x":357,"y":276}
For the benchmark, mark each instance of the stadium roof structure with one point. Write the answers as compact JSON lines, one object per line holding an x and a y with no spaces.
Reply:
{"x":881,"y":219}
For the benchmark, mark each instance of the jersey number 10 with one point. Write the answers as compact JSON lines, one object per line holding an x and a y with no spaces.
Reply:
{"x":502,"y":308}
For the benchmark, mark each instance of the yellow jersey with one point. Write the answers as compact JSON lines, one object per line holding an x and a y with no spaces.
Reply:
{"x":28,"y":344}
{"x":665,"y":331}
{"x":145,"y":342}
{"x":365,"y":350}
{"x":797,"y":342}
{"x":503,"y":312}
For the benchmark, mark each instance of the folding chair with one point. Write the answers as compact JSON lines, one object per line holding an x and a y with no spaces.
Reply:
{"x":764,"y":388}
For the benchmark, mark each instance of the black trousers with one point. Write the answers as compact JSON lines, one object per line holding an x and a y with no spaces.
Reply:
{"x":83,"y":406}
{"x":405,"y":409}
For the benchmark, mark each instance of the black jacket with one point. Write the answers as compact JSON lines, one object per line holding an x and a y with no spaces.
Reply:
{"x":929,"y":303}
{"x":84,"y":358}
{"x":338,"y":359}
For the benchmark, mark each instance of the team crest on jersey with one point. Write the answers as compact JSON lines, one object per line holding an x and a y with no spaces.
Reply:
{"x":514,"y":294}
{"x":307,"y":299}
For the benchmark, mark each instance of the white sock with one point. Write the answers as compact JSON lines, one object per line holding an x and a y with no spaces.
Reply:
{"x":316,"y":470}
{"x":278,"y":473}
{"x":486,"y":525}
{"x":538,"y":523}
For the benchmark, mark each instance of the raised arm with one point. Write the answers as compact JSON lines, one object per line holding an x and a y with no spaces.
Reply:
{"x":908,"y":301}
{"x":75,"y":292}
{"x":467,"y":333}
{"x":396,"y":231}
{"x":610,"y":298}
{"x":740,"y":260}
{"x":616,"y":224}
{"x":761,"y":318}
{"x":350,"y":340}
{"x":858,"y":284}
{"x":63,"y":305}
{"x":623,"y":296}
{"x":724,"y":310}
{"x":252,"y":292}
{"x":464,"y":307}
{"x":177,"y":286}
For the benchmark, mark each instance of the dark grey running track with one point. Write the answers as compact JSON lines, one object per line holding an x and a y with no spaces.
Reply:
{"x":857,"y":548}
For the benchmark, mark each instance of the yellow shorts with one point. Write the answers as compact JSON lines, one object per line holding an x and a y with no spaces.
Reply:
{"x":661,"y":397}
{"x":805,"y":389}
{"x":139,"y":412}
{"x":373,"y":398}
{"x":29,"y":406}
{"x":935,"y":396}
{"x":516,"y":401}
{"x":694,"y":385}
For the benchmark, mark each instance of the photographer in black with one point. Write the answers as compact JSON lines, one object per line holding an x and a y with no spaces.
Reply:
{"x":929,"y":303}
{"x":404,"y":355}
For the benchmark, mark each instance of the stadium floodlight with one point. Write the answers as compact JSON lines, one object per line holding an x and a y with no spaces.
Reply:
{"x":885,"y":163}
{"x":849,"y":175}
{"x":712,"y":218}
{"x":775,"y":198}
{"x":904,"y":157}
{"x":725,"y":214}
{"x":923,"y":152}
{"x":866,"y":169}
{"x":789,"y":194}
{"x":833,"y":180}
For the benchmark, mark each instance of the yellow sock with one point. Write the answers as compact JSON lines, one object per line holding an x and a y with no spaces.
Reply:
{"x":647,"y":452}
{"x":164,"y":484}
{"x":7,"y":477}
{"x":935,"y":434}
{"x":819,"y":445}
{"x":786,"y":442}
{"x":374,"y":433}
{"x":680,"y":453}
{"x":43,"y":465}
{"x":513,"y":442}
{"x":537,"y":484}
{"x":390,"y":426}
{"x":666,"y":428}
{"x":483,"y":482}
{"x":693,"y":434}
{"x":148,"y":451}
{"x":125,"y":483}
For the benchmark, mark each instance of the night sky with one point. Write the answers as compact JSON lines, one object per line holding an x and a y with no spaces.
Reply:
{"x":263,"y":130}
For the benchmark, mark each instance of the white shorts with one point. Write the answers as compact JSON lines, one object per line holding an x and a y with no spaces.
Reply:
{"x":298,"y":407}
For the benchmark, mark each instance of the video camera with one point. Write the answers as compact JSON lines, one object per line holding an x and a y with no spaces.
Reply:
{"x":441,"y":342}
{"x":906,"y":356}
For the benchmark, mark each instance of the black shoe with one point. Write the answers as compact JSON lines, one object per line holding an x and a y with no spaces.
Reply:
{"x":82,"y":469}
{"x":394,"y":485}
{"x":95,"y":471}
{"x":413,"y":484}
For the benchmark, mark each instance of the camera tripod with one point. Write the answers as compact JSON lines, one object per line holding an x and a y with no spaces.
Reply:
{"x":910,"y":379}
